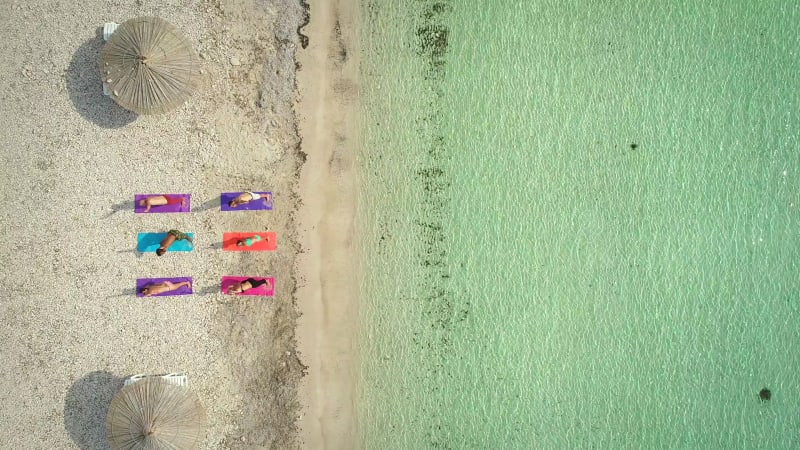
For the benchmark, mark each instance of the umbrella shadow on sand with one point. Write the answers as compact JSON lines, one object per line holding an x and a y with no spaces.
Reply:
{"x":86,"y":89}
{"x":86,"y":407}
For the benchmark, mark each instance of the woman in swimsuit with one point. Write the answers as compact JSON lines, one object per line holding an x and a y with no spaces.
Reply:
{"x":247,"y":197}
{"x":172,"y":236}
{"x":248,"y":242}
{"x":161,"y":200}
{"x":250,"y":283}
{"x":164,"y":286}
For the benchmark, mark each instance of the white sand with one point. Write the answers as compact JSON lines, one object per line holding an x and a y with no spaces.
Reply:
{"x":72,"y":161}
{"x":328,"y":327}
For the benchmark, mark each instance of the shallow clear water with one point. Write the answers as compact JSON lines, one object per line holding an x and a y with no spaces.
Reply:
{"x":580,"y":224}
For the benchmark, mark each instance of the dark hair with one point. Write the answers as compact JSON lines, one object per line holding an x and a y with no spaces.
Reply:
{"x":241,"y":243}
{"x":144,"y":290}
{"x":230,"y":203}
{"x":161,"y":251}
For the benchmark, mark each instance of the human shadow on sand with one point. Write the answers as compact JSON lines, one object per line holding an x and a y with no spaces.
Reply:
{"x":86,"y":406}
{"x":85,"y":88}
{"x":122,"y":206}
{"x":208,"y":205}
{"x":135,"y":252}
{"x":129,"y":292}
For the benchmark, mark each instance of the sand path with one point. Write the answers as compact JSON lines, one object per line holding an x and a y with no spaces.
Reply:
{"x":328,"y":118}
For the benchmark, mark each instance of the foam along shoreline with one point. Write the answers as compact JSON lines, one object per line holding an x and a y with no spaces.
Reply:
{"x":328,"y":325}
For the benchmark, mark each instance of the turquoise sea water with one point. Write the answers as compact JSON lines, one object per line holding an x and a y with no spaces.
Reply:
{"x":581,"y":224}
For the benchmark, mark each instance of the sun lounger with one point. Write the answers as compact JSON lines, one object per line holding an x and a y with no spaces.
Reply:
{"x":108,"y":30}
{"x":177,"y":378}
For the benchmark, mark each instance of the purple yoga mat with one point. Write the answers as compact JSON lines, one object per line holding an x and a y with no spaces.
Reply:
{"x":144,"y":282}
{"x":175,"y":208}
{"x":260,"y":204}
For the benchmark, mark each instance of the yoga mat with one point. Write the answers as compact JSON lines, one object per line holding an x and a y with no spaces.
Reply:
{"x":176,"y":208}
{"x":149,"y":242}
{"x":268,"y":242}
{"x":260,"y":204}
{"x":144,"y":282}
{"x":261,"y":290}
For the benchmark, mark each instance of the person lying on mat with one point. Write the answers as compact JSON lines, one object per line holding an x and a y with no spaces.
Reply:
{"x":164,"y":286}
{"x":247,"y":197}
{"x":172,"y":236}
{"x":161,"y":200}
{"x":248,"y":242}
{"x":250,"y":283}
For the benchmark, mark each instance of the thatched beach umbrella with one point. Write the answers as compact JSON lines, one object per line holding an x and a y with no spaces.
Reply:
{"x":149,"y":66}
{"x":153,"y":414}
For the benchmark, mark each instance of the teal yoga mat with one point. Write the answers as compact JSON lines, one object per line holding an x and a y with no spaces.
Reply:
{"x":149,"y":242}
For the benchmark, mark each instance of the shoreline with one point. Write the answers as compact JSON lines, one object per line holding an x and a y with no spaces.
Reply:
{"x":328,"y":325}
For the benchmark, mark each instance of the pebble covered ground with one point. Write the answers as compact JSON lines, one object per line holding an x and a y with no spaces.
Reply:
{"x":72,"y":160}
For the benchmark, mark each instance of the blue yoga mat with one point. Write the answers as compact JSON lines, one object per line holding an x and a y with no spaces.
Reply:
{"x":149,"y":242}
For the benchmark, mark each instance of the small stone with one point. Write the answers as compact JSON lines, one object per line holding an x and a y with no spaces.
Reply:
{"x":203,"y":55}
{"x":235,"y":61}
{"x":288,"y":353}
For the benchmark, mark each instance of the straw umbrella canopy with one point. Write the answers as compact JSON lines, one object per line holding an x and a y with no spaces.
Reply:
{"x":149,"y":66}
{"x":153,"y":414}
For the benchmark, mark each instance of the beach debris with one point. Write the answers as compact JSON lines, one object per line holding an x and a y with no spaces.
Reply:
{"x":764,"y":394}
{"x":235,"y":61}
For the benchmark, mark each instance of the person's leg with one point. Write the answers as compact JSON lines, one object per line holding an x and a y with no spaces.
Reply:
{"x":255,"y":283}
{"x":167,"y":241}
{"x":155,"y":200}
{"x":183,"y":283}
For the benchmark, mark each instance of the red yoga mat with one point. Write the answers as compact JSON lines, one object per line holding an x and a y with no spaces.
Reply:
{"x":269,"y":241}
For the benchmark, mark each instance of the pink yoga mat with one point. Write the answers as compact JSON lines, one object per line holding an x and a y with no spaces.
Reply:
{"x":174,"y":208}
{"x":261,"y":290}
{"x":142,"y":283}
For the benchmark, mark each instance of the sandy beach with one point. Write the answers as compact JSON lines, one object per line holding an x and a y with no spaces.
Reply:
{"x":73,"y":160}
{"x":328,"y":115}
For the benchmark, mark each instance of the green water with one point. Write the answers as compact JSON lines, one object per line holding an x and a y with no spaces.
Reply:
{"x":581,"y":224}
